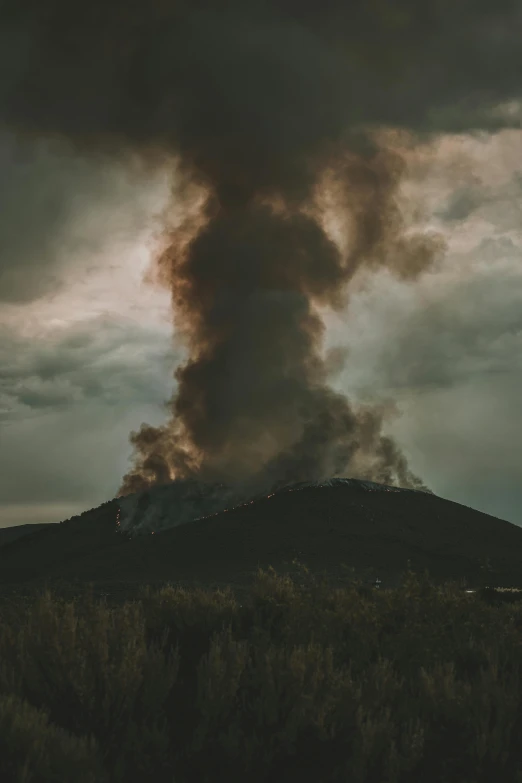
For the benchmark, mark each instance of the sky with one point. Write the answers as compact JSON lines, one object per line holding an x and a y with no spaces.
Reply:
{"x":87,"y":351}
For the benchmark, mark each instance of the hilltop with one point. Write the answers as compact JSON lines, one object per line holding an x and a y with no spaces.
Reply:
{"x":375,"y":530}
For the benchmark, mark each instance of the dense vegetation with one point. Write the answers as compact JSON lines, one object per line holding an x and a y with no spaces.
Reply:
{"x":301,"y":681}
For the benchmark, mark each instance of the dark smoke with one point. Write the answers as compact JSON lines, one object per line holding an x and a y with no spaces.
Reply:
{"x":253,"y":401}
{"x":267,"y":106}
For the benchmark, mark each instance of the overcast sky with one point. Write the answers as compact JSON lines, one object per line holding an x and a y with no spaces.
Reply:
{"x":86,"y":349}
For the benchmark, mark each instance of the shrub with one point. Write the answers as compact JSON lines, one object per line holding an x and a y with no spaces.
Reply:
{"x":302,"y":681}
{"x":33,"y":750}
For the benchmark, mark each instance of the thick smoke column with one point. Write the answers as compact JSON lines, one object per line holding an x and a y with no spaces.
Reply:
{"x":267,"y":105}
{"x":253,"y":401}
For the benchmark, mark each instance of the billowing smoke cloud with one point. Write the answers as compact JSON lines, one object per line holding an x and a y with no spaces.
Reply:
{"x":253,"y":400}
{"x":270,"y":107}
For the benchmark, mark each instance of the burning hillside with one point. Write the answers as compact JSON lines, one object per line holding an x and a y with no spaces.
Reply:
{"x":180,"y":502}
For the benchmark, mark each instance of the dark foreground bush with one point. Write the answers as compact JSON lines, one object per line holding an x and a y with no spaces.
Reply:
{"x":34,"y":750}
{"x":303,"y":682}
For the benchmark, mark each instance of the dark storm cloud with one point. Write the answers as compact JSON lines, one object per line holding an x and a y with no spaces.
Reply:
{"x":259,"y":100}
{"x":166,"y":71}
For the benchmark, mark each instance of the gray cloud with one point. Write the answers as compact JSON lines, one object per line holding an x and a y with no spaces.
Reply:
{"x":467,"y":437}
{"x":105,"y":359}
{"x":463,"y":202}
{"x":67,"y":402}
{"x":448,"y":352}
{"x":501,"y":205}
{"x":443,"y":332}
{"x":58,"y":211}
{"x":64,"y":458}
{"x":472,"y":329}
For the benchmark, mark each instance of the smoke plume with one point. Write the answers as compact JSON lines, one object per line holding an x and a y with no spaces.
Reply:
{"x":253,"y":401}
{"x":269,"y":108}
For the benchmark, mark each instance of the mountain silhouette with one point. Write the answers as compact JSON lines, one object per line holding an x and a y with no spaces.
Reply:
{"x":330,"y":527}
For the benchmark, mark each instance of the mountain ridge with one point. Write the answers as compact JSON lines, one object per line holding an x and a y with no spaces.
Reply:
{"x":330,"y":529}
{"x":167,"y":506}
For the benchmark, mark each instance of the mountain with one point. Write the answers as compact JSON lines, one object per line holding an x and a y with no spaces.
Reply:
{"x":16,"y":531}
{"x":167,"y":506}
{"x":376,"y":530}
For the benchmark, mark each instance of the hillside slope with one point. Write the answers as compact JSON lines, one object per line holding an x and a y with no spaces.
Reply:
{"x":377,"y":533}
{"x":8,"y":534}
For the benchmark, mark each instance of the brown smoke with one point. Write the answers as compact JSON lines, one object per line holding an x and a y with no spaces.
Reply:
{"x":268,"y":104}
{"x":252,"y":402}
